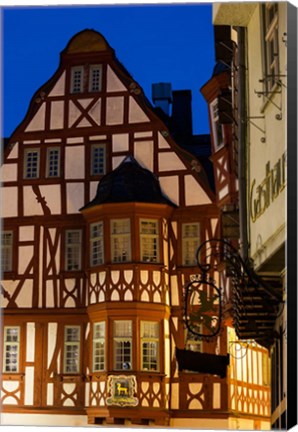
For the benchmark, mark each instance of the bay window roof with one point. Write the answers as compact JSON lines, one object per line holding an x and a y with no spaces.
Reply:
{"x":129,"y":182}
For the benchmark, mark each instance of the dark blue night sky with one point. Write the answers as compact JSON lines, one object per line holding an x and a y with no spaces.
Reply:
{"x":156,"y":43}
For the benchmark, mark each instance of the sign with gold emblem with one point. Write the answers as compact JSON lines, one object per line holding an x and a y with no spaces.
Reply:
{"x":122,"y":389}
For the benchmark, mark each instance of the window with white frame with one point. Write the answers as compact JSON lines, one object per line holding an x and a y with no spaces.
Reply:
{"x":98,"y":159}
{"x":71,"y":349}
{"x":217,"y":128}
{"x":149,"y":240}
{"x":6,"y":250}
{"x":99,"y":346}
{"x":11,"y":349}
{"x":73,"y":250}
{"x":77,"y":79}
{"x":53,"y":162}
{"x":31,"y":164}
{"x":96,"y":244}
{"x":150,"y":345}
{"x":95,"y":78}
{"x":190,"y":243}
{"x":122,"y":341}
{"x":271,"y":46}
{"x":120,"y":240}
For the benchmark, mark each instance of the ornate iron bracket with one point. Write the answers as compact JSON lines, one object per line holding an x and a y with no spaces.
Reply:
{"x":255,"y":303}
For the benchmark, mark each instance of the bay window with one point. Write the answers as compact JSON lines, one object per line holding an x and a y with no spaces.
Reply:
{"x":149,"y":346}
{"x":96,"y":244}
{"x":120,"y":240}
{"x":122,"y":341}
{"x":99,"y":346}
{"x":149,"y":240}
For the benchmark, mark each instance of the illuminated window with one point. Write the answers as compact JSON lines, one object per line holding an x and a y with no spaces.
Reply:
{"x":122,"y":340}
{"x":73,"y":250}
{"x":31,"y":165}
{"x":95,"y":75}
{"x":149,"y":240}
{"x":99,"y":346}
{"x":53,"y":162}
{"x":270,"y":41}
{"x":150,"y":345}
{"x":120,"y":240}
{"x":217,"y":128}
{"x":71,"y":349}
{"x":6,"y":250}
{"x":98,"y":159}
{"x":77,"y":76}
{"x":11,"y":349}
{"x":190,"y":243}
{"x":96,"y":244}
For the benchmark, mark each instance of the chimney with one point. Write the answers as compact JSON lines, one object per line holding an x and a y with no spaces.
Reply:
{"x":182,"y":113}
{"x":162,"y":96}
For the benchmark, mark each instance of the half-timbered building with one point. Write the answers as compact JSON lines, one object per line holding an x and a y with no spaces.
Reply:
{"x":102,"y":215}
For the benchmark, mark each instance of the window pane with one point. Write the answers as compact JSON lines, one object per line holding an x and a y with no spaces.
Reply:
{"x":150,"y":345}
{"x":99,"y":346}
{"x":77,"y":79}
{"x":98,"y":159}
{"x":149,"y":240}
{"x":97,"y":244}
{"x":11,"y":349}
{"x":6,"y":250}
{"x":95,"y":78}
{"x":120,"y":240}
{"x":73,"y":250}
{"x":31,"y":164}
{"x":122,"y":344}
{"x":190,"y":243}
{"x":53,"y":162}
{"x":71,"y":349}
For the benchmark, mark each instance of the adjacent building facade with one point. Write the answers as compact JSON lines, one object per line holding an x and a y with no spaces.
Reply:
{"x":251,"y":42}
{"x":102,"y":218}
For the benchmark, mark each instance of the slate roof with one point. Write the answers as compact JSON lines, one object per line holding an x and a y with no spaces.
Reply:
{"x":129,"y":182}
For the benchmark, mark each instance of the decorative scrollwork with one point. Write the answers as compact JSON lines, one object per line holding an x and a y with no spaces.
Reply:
{"x":203,"y":299}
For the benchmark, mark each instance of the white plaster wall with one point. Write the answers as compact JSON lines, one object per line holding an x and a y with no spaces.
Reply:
{"x":59,"y":87}
{"x":170,"y":187}
{"x":31,"y":205}
{"x":30,"y":342}
{"x":194,"y":194}
{"x":26,"y":233}
{"x":29,"y":385}
{"x":169,"y":161}
{"x":57,"y":115}
{"x":75,"y":197}
{"x":52,"y":194}
{"x":9,"y":196}
{"x":113,"y":82}
{"x":38,"y":121}
{"x":24,"y":299}
{"x":162,"y":142}
{"x":14,"y":152}
{"x":95,"y":112}
{"x":143,"y":153}
{"x":115,"y":110}
{"x":74,"y":162}
{"x":8,"y":173}
{"x":136,"y":114}
{"x":120,"y":142}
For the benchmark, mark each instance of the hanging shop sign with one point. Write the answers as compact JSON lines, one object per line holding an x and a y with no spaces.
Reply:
{"x":122,"y":389}
{"x":268,"y":190}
